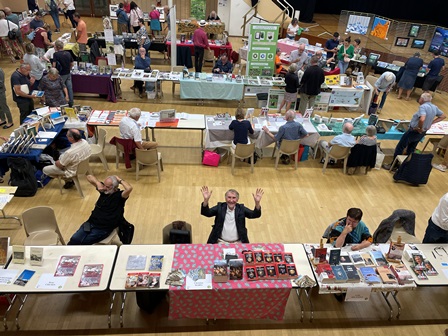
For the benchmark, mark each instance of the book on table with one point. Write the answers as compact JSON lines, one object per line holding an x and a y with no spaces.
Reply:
{"x":369,"y":275}
{"x":18,"y":254}
{"x":4,"y":245}
{"x":357,"y":259}
{"x":352,"y":273}
{"x":402,"y":274}
{"x":368,"y":259}
{"x":154,"y":280}
{"x":236,"y":269}
{"x":396,"y":250}
{"x":421,"y":275}
{"x":429,"y":268}
{"x":335,"y":255}
{"x":36,"y":256}
{"x":137,"y":280}
{"x":251,"y":273}
{"x":220,"y":273}
{"x":386,"y":275}
{"x":24,"y":277}
{"x":339,"y":273}
{"x":156,"y":263}
{"x":344,"y":259}
{"x":379,"y":258}
{"x":136,"y":262}
{"x":325,"y":273}
{"x":91,"y":275}
{"x":67,"y":266}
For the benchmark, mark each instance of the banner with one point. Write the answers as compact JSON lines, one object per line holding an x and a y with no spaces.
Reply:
{"x":262,"y":47}
{"x":380,"y":28}
{"x":357,"y":24}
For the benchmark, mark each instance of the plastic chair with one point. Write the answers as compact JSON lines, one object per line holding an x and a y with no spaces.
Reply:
{"x":437,"y":143}
{"x":174,"y":82}
{"x":41,"y":227}
{"x":243,"y":151}
{"x":125,"y":147}
{"x":287,"y":147}
{"x":170,"y":235}
{"x":336,"y":152}
{"x":148,"y":158}
{"x":98,"y":149}
{"x":304,"y":40}
{"x":101,"y":61}
{"x":209,"y":56}
{"x":82,"y":169}
{"x":112,"y":239}
{"x":362,"y":156}
{"x":399,"y":63}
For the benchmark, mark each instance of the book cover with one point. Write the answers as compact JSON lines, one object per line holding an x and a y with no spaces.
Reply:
{"x":18,"y":254}
{"x":137,"y":279}
{"x":402,"y":274}
{"x":37,"y":93}
{"x":91,"y":275}
{"x":282,"y":272}
{"x":352,"y":273}
{"x":278,"y":257}
{"x":288,"y":258}
{"x":136,"y":262}
{"x":344,"y":259}
{"x":357,"y":259}
{"x":4,"y":245}
{"x":154,"y":280}
{"x":248,"y":257}
{"x":156,"y":263}
{"x":292,"y":271}
{"x":368,"y":259}
{"x":421,"y":275}
{"x":271,"y":271}
{"x":325,"y":273}
{"x":429,"y":268}
{"x":259,"y":257}
{"x":418,"y":261}
{"x":261,"y":272}
{"x":369,"y":275}
{"x":379,"y":258}
{"x":339,"y":273}
{"x":220,"y":273}
{"x":24,"y":277}
{"x":386,"y":275}
{"x":251,"y":273}
{"x":67,"y":266}
{"x":396,"y":250}
{"x":334,"y":257}
{"x":321,"y":254}
{"x":36,"y":256}
{"x":268,"y":257}
{"x":236,"y":269}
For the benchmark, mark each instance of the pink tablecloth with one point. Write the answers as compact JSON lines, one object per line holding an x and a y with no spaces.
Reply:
{"x":264,"y":299}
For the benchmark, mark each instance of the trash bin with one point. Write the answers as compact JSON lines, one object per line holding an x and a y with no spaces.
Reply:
{"x":262,"y":100}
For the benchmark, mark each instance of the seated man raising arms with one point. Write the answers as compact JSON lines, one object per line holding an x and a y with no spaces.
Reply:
{"x":130,"y":129}
{"x":108,"y":213}
{"x":351,"y":230}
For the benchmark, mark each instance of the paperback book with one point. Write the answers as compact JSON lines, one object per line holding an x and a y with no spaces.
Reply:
{"x":251,"y":273}
{"x":91,"y":275}
{"x":418,"y":261}
{"x":136,"y":262}
{"x":402,"y":274}
{"x":137,"y":280}
{"x":67,"y":265}
{"x":24,"y":277}
{"x":156,"y":263}
{"x":421,"y":275}
{"x":18,"y":254}
{"x":429,"y":268}
{"x":36,"y":256}
{"x":339,"y":273}
{"x":335,"y":255}
{"x":236,"y":269}
{"x":154,"y":280}
{"x":368,"y":259}
{"x":325,"y":273}
{"x":352,"y":273}
{"x":386,"y":275}
{"x":220,"y":273}
{"x":379,"y":258}
{"x":357,"y":259}
{"x":369,"y":275}
{"x":344,"y":259}
{"x":396,"y":250}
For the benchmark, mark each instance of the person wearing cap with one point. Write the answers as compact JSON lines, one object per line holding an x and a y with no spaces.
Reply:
{"x":411,"y":69}
{"x":384,"y":84}
{"x":331,"y":46}
{"x":433,"y":71}
{"x":200,"y":42}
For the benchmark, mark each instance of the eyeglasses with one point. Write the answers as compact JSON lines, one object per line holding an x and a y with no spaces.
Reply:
{"x":439,"y":248}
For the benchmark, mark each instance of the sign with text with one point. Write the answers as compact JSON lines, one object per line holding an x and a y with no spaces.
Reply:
{"x":262,"y":48}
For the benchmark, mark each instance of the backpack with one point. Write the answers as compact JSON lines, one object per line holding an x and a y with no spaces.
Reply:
{"x":22,"y":176}
{"x":126,"y":232}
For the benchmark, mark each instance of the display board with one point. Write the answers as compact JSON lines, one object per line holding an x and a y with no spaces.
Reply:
{"x":262,"y":47}
{"x":346,"y":97}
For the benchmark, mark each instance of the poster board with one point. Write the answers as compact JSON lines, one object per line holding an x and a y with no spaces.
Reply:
{"x":275,"y":98}
{"x":346,"y":97}
{"x":262,"y":49}
{"x":357,"y":24}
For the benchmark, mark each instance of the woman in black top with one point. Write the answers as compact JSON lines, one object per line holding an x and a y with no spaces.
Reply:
{"x":241,"y":128}
{"x":292,"y":85}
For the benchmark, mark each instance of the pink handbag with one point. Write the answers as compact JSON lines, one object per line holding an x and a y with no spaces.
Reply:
{"x":211,"y":158}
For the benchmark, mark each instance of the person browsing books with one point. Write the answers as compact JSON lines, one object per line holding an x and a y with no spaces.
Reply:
{"x":230,"y":217}
{"x":241,"y":128}
{"x":350,"y":230}
{"x":108,"y":213}
{"x":129,"y":129}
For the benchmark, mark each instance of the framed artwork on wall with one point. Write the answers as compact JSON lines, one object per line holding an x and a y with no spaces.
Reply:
{"x":402,"y":42}
{"x":413,"y":30}
{"x":418,"y":44}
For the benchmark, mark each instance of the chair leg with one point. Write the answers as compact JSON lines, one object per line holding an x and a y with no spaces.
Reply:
{"x":233,"y":163}
{"x":275,"y":148}
{"x":161,"y":164}
{"x":277,"y":158}
{"x":158,"y":170}
{"x":345,"y":165}
{"x":137,"y":169}
{"x":60,"y":184}
{"x":252,"y":163}
{"x":297,"y":159}
{"x":117,"y":158}
{"x":78,"y":186}
{"x":104,"y":161}
{"x":327,"y":157}
{"x":393,"y":164}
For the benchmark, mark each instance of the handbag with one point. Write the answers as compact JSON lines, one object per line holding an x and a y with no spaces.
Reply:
{"x":211,"y":158}
{"x":12,"y":34}
{"x":126,"y":232}
{"x":346,"y":58}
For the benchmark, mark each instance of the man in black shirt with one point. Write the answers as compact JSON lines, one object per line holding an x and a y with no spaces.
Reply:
{"x":107,"y":214}
{"x":21,"y":90}
{"x":312,"y":79}
{"x":63,"y":61}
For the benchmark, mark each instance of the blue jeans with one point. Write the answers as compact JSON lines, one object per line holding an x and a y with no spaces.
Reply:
{"x":408,"y":141}
{"x":83,"y":237}
{"x":55,"y":16}
{"x":435,"y":234}
{"x":343,"y":67}
{"x":67,"y":80}
{"x":383,"y":99}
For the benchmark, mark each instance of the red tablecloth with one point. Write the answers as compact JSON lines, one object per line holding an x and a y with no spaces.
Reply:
{"x":218,"y":49}
{"x":99,"y":84}
{"x":264,"y":299}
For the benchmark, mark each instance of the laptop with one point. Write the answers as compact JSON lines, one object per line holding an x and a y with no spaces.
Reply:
{"x":167,"y":116}
{"x":403,"y":125}
{"x":357,"y":120}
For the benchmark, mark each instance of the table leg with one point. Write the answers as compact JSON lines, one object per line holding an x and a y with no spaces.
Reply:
{"x":308,"y":296}
{"x":153,"y":134}
{"x":388,"y":303}
{"x":395,"y":297}
{"x":202,"y":139}
{"x":11,"y":303}
{"x":123,"y":300}
{"x":146,"y":133}
{"x":299,"y":297}
{"x":22,"y":304}
{"x":11,"y":217}
{"x":111,"y":306}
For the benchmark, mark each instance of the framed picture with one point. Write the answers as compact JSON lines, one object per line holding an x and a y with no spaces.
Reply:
{"x":402,"y":42}
{"x":418,"y":44}
{"x":413,"y":31}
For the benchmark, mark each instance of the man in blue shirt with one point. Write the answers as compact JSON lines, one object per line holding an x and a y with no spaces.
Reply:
{"x":223,"y":65}
{"x":122,"y":20}
{"x":331,"y":46}
{"x":433,"y":70}
{"x":346,"y":139}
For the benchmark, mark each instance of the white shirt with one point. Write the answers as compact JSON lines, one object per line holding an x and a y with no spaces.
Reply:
{"x":440,"y":214}
{"x":49,"y":54}
{"x":70,"y":159}
{"x":70,"y":5}
{"x":293,"y":29}
{"x":229,"y":232}
{"x":4,"y":27}
{"x":129,"y":129}
{"x":295,"y":56}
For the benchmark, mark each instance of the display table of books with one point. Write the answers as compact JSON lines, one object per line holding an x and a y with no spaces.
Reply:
{"x":96,"y":84}
{"x":56,"y":269}
{"x":211,"y":87}
{"x":356,"y":274}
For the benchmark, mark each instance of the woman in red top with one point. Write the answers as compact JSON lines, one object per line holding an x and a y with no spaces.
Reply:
{"x":41,"y":41}
{"x":154,"y":15}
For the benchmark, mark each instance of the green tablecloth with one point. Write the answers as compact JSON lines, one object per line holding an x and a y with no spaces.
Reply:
{"x":201,"y":89}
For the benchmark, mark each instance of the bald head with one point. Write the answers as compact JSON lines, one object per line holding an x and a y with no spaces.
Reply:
{"x":290,"y":115}
{"x":7,"y":10}
{"x":301,"y":48}
{"x":347,"y":128}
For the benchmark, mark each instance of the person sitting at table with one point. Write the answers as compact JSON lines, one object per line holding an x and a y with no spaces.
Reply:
{"x":108,"y":213}
{"x":357,"y":46}
{"x":292,"y":29}
{"x":368,"y":139}
{"x":122,"y":20}
{"x":136,"y":15}
{"x":299,"y":56}
{"x":41,"y":41}
{"x":350,"y":230}
{"x":230,"y":217}
{"x":241,"y":128}
{"x":155,"y":25}
{"x":292,"y":85}
{"x":143,"y":62}
{"x":223,"y":65}
{"x":322,"y":62}
{"x":278,"y":63}
{"x":68,"y":162}
{"x":130,"y":129}
{"x":56,"y":93}
{"x":292,"y":130}
{"x":213,"y":17}
{"x":142,"y":36}
{"x":346,"y":139}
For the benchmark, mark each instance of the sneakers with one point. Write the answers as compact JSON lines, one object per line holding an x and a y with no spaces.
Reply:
{"x":69,"y":184}
{"x":386,"y":166}
{"x":440,"y":167}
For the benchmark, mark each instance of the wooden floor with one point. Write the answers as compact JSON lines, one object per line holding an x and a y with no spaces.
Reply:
{"x":297,"y":207}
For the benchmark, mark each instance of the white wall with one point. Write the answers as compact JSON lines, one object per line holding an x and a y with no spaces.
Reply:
{"x":231,"y":13}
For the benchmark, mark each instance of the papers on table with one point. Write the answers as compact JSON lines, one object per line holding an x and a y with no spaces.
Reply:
{"x":43,"y":111}
{"x":46,"y":135}
{"x":49,"y":281}
{"x":4,"y":199}
{"x":199,"y":284}
{"x":182,"y":115}
{"x":7,"y":276}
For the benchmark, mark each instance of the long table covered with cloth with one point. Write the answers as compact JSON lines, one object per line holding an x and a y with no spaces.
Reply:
{"x":95,"y":84}
{"x":203,"y":89}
